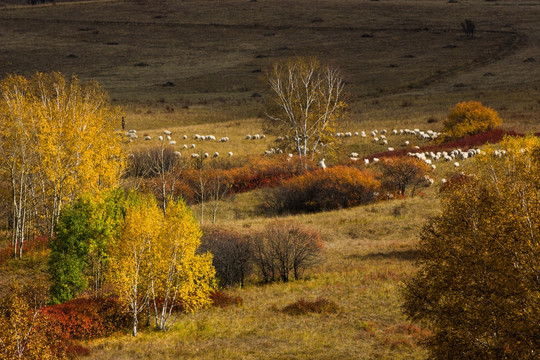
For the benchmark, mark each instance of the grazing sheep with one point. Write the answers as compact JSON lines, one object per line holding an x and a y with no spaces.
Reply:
{"x":363,"y":134}
{"x":177,"y":153}
{"x":407,"y":143}
{"x":322,"y":164}
{"x":172,"y":142}
{"x":184,"y":137}
{"x":390,"y":149}
{"x":248,"y":137}
{"x":195,"y":156}
{"x":192,"y":146}
{"x":356,"y":133}
{"x":230,"y":153}
{"x":216,"y":154}
{"x":169,"y":137}
{"x":456,"y":164}
{"x":224,"y":139}
{"x":376,"y":160}
{"x":147,"y":138}
{"x":167,"y":132}
{"x":197,"y":137}
{"x":185,"y":146}
{"x":354,"y":155}
{"x":206,"y":155}
{"x":366,"y":161}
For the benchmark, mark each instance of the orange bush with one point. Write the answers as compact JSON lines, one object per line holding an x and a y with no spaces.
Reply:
{"x":470,"y":118}
{"x":331,"y":188}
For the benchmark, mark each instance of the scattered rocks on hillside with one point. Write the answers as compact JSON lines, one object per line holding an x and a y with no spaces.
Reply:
{"x":367,"y":35}
{"x":72,"y":56}
{"x":529,"y":60}
{"x":168,"y":84}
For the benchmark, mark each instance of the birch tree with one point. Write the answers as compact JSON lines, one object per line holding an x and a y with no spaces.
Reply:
{"x":57,"y":140}
{"x":306,"y":104}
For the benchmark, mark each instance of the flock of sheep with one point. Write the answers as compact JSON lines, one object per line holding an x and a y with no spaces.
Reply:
{"x":167,"y":135}
{"x":378,"y":136}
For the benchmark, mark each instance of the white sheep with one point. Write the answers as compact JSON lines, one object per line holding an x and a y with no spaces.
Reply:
{"x":390,"y":149}
{"x":354,"y":155}
{"x":206,"y":155}
{"x":322,"y":164}
{"x":184,"y":137}
{"x":216,"y":154}
{"x":248,"y":137}
{"x":195,"y":156}
{"x":230,"y":153}
{"x":192,"y":146}
{"x":366,"y":161}
{"x":185,"y":146}
{"x":172,"y":142}
{"x":147,"y":137}
{"x":177,"y":153}
{"x":167,"y":132}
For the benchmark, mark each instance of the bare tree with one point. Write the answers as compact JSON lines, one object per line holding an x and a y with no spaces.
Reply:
{"x":307,"y":103}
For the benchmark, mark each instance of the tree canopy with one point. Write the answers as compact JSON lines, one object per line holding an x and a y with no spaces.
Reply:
{"x":57,"y":141}
{"x":478,"y":286}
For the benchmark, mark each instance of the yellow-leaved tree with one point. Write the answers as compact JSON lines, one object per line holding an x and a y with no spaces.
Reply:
{"x":57,"y":140}
{"x":478,"y":286}
{"x":154,"y":262}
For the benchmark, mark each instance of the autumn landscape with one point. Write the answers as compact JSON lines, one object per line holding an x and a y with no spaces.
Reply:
{"x":161,"y":201}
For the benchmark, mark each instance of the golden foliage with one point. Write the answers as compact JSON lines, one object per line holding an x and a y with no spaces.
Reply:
{"x":155,"y":261}
{"x":58,"y":140}
{"x":470,"y":118}
{"x":479,"y":281}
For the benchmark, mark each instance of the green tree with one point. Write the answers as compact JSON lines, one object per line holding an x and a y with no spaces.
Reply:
{"x":478,"y":286}
{"x":80,"y":249}
{"x":470,"y":118}
{"x":306,"y":104}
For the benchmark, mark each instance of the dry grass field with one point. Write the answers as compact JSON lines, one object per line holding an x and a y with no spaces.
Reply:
{"x":195,"y":67}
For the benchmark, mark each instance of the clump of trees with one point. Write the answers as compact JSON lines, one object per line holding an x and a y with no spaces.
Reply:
{"x":479,"y":276}
{"x":307,"y":103}
{"x":143,"y":255}
{"x":57,"y":141}
{"x":280,"y":251}
{"x":470,"y":118}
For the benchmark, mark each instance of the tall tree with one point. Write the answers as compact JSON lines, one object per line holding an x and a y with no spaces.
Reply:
{"x":154,"y":260}
{"x":57,"y":140}
{"x":306,"y":104}
{"x":478,"y":286}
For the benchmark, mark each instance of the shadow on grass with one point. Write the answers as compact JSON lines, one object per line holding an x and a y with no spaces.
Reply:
{"x":405,"y":255}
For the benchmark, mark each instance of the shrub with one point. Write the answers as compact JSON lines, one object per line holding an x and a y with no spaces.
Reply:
{"x":222,"y":300}
{"x":332,"y":188}
{"x":319,"y":306}
{"x":470,"y":118}
{"x":87,"y":318}
{"x":285,"y":248}
{"x":232,"y":254}
{"x":400,"y":172}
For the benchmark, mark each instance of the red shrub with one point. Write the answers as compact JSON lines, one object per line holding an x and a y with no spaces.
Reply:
{"x":87,"y":318}
{"x":222,"y":300}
